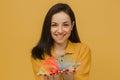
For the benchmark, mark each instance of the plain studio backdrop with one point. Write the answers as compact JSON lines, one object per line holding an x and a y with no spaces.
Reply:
{"x":98,"y":23}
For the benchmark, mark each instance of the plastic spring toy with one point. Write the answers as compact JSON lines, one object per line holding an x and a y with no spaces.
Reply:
{"x":54,"y":65}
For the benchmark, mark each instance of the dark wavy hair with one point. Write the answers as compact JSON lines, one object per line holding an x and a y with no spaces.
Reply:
{"x":45,"y":43}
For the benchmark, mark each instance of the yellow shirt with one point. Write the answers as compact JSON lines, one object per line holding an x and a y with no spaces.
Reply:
{"x":78,"y":52}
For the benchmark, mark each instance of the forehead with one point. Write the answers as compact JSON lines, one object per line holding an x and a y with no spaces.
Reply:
{"x":60,"y":17}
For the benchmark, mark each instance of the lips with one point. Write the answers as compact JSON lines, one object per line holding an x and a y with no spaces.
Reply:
{"x":60,"y":36}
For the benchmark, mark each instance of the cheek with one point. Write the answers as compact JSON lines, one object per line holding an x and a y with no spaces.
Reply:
{"x":69,"y":33}
{"x":68,"y":30}
{"x":52,"y":30}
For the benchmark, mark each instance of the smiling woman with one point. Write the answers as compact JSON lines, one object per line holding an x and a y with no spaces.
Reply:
{"x":60,"y":55}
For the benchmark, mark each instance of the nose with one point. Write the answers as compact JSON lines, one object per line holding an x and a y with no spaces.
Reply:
{"x":60,"y":29}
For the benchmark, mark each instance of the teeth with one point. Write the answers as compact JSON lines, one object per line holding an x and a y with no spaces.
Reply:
{"x":60,"y":36}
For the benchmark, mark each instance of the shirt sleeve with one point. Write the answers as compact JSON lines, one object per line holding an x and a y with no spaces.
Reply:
{"x":36,"y":63}
{"x":84,"y":59}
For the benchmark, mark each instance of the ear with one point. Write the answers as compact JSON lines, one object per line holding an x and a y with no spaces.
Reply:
{"x":73,"y":25}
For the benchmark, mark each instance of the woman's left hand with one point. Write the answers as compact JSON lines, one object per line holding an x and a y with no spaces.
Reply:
{"x":52,"y":77}
{"x":68,"y":74}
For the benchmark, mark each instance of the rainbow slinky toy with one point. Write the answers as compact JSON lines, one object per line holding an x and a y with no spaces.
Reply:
{"x":53,"y":65}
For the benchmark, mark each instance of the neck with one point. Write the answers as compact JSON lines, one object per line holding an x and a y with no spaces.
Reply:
{"x":60,"y":46}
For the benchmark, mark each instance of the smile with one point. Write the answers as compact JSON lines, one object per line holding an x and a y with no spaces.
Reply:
{"x":60,"y":37}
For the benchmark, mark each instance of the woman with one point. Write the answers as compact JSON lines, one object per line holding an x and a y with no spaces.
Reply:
{"x":60,"y":55}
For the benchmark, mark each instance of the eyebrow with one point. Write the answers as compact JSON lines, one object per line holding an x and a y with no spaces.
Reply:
{"x":53,"y":22}
{"x":63,"y":22}
{"x":66,"y":22}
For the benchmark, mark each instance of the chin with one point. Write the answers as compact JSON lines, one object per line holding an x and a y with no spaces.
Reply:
{"x":60,"y":41}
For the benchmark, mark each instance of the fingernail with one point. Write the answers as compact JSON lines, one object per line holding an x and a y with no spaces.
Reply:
{"x":67,"y":70}
{"x":45,"y":75}
{"x":51,"y":74}
{"x":74,"y":70}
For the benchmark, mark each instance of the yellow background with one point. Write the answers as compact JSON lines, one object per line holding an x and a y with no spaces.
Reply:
{"x":98,"y":23}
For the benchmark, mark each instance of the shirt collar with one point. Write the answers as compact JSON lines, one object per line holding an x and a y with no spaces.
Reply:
{"x":69,"y":49}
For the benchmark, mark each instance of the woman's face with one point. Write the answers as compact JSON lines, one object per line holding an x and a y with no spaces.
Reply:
{"x":61,"y":27}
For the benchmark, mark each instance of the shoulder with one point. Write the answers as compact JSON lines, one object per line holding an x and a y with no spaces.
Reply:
{"x":35,"y":60}
{"x":77,"y":47}
{"x":82,"y":49}
{"x":80,"y":45}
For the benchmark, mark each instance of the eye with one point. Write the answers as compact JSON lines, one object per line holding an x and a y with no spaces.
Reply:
{"x":53,"y":25}
{"x":65,"y":24}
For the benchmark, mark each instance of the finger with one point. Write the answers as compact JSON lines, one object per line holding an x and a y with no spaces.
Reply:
{"x":74,"y":70}
{"x":46,"y":77}
{"x":56,"y":76}
{"x":66,"y":71}
{"x":68,"y":75}
{"x":51,"y":77}
{"x":69,"y":72}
